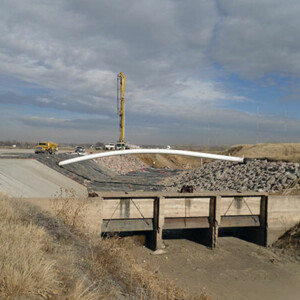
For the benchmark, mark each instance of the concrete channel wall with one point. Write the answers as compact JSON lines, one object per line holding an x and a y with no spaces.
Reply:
{"x":283,"y":213}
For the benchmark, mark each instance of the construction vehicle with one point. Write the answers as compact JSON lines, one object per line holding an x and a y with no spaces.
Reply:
{"x":121,"y":79}
{"x":46,"y":147}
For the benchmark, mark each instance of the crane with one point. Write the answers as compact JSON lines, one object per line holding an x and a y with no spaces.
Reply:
{"x":121,"y":79}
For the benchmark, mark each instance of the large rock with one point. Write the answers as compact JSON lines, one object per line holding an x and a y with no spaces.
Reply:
{"x":253,"y":174}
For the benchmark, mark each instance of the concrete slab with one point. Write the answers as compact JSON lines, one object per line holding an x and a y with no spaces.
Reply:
{"x":283,"y":213}
{"x":30,"y":178}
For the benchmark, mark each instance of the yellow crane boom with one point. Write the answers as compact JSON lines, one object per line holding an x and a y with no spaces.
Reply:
{"x":121,"y":105}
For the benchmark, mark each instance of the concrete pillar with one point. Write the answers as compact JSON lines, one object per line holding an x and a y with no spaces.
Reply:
{"x":262,"y":236}
{"x":215,"y":216}
{"x":154,"y":238}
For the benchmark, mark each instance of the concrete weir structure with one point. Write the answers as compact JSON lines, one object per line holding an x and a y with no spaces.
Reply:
{"x":256,"y":217}
{"x":201,"y":214}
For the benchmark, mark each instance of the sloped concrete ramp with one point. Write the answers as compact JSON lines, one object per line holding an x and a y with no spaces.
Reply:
{"x":30,"y":178}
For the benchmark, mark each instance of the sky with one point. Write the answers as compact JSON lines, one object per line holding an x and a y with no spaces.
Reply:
{"x":198,"y":72}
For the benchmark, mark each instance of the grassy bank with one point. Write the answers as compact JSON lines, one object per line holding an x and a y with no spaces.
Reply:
{"x":51,"y":257}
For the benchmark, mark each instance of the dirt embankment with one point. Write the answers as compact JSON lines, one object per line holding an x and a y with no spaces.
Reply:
{"x":272,"y":151}
{"x":290,"y":242}
{"x":172,"y":161}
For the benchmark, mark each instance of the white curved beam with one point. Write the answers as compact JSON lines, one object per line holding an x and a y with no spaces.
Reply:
{"x":151,"y":151}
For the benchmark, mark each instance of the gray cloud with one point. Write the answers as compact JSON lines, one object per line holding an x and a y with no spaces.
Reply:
{"x":212,"y":127}
{"x":258,"y":38}
{"x":73,"y":124}
{"x":80,"y":46}
{"x":37,"y":128}
{"x":64,"y":55}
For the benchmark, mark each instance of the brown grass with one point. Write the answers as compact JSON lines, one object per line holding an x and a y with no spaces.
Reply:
{"x":71,"y":210}
{"x":24,"y":269}
{"x":33,"y":265}
{"x":55,"y":257}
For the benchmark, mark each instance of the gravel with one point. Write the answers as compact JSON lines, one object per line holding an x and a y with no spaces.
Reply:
{"x":253,"y":175}
{"x":122,"y":164}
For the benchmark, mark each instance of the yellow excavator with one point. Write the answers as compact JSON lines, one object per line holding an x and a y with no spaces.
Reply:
{"x":121,"y":80}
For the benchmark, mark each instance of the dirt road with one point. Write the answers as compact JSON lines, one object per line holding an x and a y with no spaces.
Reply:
{"x":17,"y":151}
{"x":235,"y":270}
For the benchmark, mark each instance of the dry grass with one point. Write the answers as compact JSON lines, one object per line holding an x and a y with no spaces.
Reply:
{"x":71,"y":210}
{"x":33,"y":265}
{"x":46,"y":257}
{"x":24,"y":269}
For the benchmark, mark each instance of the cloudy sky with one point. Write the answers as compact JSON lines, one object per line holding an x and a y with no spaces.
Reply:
{"x":198,"y":72}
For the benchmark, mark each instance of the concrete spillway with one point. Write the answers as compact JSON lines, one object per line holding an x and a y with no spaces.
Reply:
{"x":29,"y":178}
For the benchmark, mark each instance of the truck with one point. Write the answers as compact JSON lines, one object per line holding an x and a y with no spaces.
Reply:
{"x":46,"y":147}
{"x":121,"y":146}
{"x":110,"y":146}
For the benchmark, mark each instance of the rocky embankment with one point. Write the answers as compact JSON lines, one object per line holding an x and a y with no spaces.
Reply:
{"x":252,"y":175}
{"x":122,"y":164}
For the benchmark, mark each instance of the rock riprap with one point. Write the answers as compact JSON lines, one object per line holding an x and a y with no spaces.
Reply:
{"x":252,"y":175}
{"x":122,"y":164}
